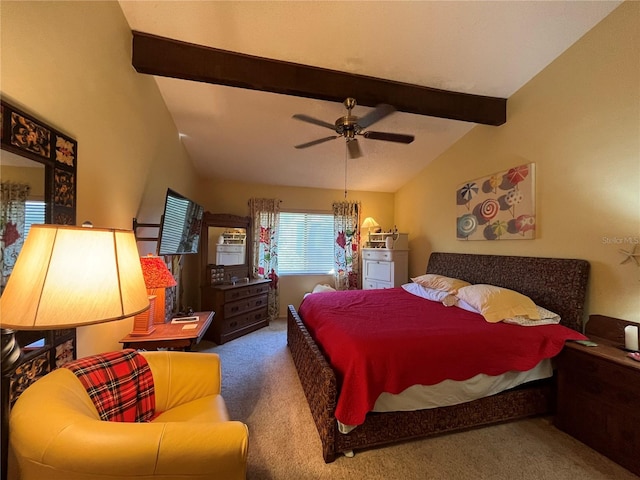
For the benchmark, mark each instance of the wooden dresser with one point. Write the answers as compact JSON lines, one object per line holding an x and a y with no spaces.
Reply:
{"x":599,"y":393}
{"x":239,"y":309}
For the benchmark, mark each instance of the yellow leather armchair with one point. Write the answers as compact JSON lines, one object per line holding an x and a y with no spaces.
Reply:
{"x":56,"y":432}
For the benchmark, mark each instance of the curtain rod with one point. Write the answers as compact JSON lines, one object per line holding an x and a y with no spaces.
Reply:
{"x":276,"y":199}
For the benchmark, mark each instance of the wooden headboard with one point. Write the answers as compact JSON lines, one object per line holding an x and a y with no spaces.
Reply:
{"x":558,"y":284}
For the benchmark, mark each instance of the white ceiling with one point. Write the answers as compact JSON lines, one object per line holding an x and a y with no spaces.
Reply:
{"x":481,"y":47}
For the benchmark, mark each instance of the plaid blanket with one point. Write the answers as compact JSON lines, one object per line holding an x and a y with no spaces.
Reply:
{"x":120,"y":385}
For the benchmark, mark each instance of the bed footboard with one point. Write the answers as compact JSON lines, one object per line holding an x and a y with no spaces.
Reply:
{"x":320,"y":387}
{"x":390,"y":427}
{"x":557,"y":284}
{"x":318,"y":382}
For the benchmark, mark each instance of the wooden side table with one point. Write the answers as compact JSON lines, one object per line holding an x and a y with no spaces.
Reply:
{"x":175,"y":336}
{"x":599,"y":393}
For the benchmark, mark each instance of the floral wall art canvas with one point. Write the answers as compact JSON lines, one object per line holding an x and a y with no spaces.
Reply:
{"x":498,"y":207}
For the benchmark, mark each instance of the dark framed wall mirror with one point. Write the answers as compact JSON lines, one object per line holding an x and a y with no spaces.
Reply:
{"x":38,"y":165}
{"x":225,"y":249}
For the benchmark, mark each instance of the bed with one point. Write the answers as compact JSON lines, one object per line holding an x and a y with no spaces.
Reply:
{"x":557,"y":284}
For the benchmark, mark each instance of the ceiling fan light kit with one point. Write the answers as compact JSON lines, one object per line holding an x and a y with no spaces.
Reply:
{"x":349,"y":126}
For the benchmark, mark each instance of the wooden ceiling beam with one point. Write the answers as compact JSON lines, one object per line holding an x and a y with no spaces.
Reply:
{"x":166,"y":57}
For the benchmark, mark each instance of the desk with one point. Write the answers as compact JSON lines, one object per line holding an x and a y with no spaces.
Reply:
{"x":172,"y":335}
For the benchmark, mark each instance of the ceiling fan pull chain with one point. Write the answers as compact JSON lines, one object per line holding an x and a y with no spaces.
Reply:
{"x":346,"y":157}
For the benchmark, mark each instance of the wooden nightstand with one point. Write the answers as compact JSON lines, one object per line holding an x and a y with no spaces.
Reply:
{"x":599,"y":393}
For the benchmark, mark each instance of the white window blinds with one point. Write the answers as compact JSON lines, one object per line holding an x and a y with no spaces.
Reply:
{"x":33,"y":214}
{"x":305,"y":244}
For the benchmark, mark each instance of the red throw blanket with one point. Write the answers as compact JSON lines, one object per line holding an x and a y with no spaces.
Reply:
{"x":120,"y":385}
{"x":388,"y":340}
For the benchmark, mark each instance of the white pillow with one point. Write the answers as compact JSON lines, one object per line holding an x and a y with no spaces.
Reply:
{"x":464,"y":305}
{"x":547,"y":317}
{"x":424,"y":292}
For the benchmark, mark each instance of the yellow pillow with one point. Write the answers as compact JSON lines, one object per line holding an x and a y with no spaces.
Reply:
{"x":439,"y":282}
{"x":496,"y":303}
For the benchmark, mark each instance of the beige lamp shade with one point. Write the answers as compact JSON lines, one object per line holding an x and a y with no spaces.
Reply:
{"x":369,"y":222}
{"x":71,"y":276}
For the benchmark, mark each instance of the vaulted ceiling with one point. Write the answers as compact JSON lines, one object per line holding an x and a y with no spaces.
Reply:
{"x":233,"y":74}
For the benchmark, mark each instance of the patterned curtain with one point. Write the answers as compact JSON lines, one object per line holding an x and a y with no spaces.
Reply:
{"x":265,"y":214}
{"x":12,"y":211}
{"x":346,"y":248}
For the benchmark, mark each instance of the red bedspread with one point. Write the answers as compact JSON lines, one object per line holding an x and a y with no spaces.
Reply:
{"x":387,"y":340}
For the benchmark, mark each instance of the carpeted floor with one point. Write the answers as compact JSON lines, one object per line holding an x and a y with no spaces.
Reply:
{"x":261,"y":388}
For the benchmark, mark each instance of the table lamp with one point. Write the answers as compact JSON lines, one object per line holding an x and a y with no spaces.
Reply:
{"x":157,"y":278}
{"x":67,"y":277}
{"x":368,"y":223}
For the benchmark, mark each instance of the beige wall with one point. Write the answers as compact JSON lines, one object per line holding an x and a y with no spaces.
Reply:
{"x":32,"y":176}
{"x":69,"y":63}
{"x":228,"y":197}
{"x":579,"y":122}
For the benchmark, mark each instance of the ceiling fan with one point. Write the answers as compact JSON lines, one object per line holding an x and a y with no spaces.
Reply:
{"x":349,"y":126}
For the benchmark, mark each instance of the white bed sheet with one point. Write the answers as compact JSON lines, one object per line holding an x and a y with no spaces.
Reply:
{"x":451,"y":392}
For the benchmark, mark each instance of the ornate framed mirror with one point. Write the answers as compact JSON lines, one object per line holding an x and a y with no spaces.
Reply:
{"x":225,"y":249}
{"x":31,"y":139}
{"x":39,"y":165}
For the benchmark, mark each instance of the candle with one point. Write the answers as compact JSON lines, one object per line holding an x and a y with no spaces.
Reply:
{"x":631,"y":337}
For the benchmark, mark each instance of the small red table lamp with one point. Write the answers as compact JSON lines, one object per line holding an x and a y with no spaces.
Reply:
{"x":157,"y":278}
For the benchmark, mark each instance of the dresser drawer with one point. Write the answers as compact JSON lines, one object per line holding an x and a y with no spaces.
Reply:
{"x":599,"y":378}
{"x":377,"y":254}
{"x":230,"y":248}
{"x":369,"y":285}
{"x":246,"y":304}
{"x":372,"y":285}
{"x":240,"y":321}
{"x":244,"y":292}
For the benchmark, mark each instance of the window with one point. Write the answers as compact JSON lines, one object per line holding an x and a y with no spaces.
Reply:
{"x":33,"y":214}
{"x":305,"y":244}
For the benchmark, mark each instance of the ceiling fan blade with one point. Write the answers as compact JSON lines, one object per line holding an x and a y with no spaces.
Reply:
{"x":389,"y":137}
{"x":316,"y":142}
{"x":354,"y":148}
{"x":315,"y":121}
{"x":379,"y":113}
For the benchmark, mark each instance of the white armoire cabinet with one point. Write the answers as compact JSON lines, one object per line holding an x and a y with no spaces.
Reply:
{"x":385,"y":267}
{"x":230,"y":249}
